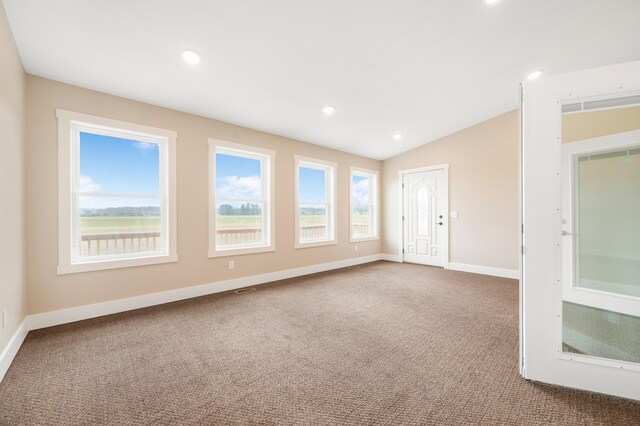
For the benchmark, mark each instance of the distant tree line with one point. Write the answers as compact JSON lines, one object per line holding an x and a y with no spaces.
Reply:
{"x":313,"y":211}
{"x":248,"y":209}
{"x":122,"y":211}
{"x":361,"y":208}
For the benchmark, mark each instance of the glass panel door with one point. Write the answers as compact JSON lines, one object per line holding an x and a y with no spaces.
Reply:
{"x":580,"y":224}
{"x":601,"y":233}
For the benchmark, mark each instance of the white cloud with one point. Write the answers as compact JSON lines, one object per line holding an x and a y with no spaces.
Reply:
{"x":145,"y":146}
{"x":246,"y":187}
{"x":361,"y":192}
{"x":88,"y":185}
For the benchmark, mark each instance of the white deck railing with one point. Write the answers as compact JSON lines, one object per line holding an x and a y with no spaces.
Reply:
{"x":137,"y":242}
{"x":119,"y":243}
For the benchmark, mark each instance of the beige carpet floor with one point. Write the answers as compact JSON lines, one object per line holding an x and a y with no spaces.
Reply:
{"x":384,"y":344}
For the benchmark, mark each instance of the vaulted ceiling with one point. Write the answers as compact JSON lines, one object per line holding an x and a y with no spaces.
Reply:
{"x":421,"y":68}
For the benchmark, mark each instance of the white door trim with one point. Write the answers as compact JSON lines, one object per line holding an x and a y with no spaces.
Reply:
{"x":625,"y":304}
{"x":401,"y":173}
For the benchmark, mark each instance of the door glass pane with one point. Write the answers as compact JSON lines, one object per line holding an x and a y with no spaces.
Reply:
{"x":597,"y":332}
{"x":608,"y":221}
{"x":422,"y":218}
{"x":601,"y":242}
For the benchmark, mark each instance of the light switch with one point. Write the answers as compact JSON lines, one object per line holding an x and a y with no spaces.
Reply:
{"x":454,"y":215}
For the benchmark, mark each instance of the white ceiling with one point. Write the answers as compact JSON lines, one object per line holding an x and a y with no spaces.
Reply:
{"x":425,"y":68}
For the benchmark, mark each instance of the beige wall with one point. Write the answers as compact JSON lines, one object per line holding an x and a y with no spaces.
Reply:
{"x":12,"y":123}
{"x":48,"y":291}
{"x":483,"y":189}
{"x":592,"y":124}
{"x":609,"y":237}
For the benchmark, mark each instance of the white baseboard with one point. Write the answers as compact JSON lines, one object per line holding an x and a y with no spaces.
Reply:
{"x":391,"y":257}
{"x":64,"y":316}
{"x":485,"y":270}
{"x":464,"y":267}
{"x":10,"y":351}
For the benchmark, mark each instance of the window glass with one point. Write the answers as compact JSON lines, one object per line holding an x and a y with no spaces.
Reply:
{"x":363,"y":204}
{"x":241,"y":220}
{"x":119,"y":208}
{"x":315,"y":199}
{"x":118,"y":166}
{"x":312,"y":185}
{"x":361,"y":208}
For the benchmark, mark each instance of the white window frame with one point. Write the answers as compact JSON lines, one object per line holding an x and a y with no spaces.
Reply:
{"x":330,"y":194}
{"x":268,"y":161}
{"x":374,"y":204}
{"x":69,"y":126}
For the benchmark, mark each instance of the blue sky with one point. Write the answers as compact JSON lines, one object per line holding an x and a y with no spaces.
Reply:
{"x":119,"y":166}
{"x":239,"y":178}
{"x":360,"y":189}
{"x":123,"y":166}
{"x":312,"y":185}
{"x":116,"y":165}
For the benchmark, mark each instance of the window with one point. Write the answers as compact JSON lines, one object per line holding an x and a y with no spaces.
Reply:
{"x":364,"y":204}
{"x":315,"y":202}
{"x":241,"y":217}
{"x":116,"y":194}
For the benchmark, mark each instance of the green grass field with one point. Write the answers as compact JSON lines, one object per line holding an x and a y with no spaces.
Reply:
{"x":231,"y":222}
{"x":238,"y":222}
{"x":111,"y":224}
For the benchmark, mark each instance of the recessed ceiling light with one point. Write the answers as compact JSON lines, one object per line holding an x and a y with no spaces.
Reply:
{"x":491,"y":1}
{"x":534,"y":75}
{"x":397,"y":136}
{"x":329,"y":109}
{"x":191,"y":57}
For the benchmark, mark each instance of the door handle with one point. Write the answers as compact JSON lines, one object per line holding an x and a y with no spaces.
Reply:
{"x":565,"y":233}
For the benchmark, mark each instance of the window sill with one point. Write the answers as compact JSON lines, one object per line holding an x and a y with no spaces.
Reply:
{"x":115,"y":264}
{"x":362,"y":239}
{"x":240,"y":251}
{"x":316,"y":244}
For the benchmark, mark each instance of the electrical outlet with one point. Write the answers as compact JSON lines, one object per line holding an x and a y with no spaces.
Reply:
{"x":232,"y":264}
{"x":356,"y":248}
{"x":4,"y":317}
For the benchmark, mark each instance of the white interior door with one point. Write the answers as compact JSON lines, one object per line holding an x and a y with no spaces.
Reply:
{"x":581,"y":230}
{"x":425,"y":213}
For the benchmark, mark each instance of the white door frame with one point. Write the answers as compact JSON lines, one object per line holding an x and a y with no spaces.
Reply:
{"x":572,"y":292}
{"x":543,"y":358}
{"x":401,"y":173}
